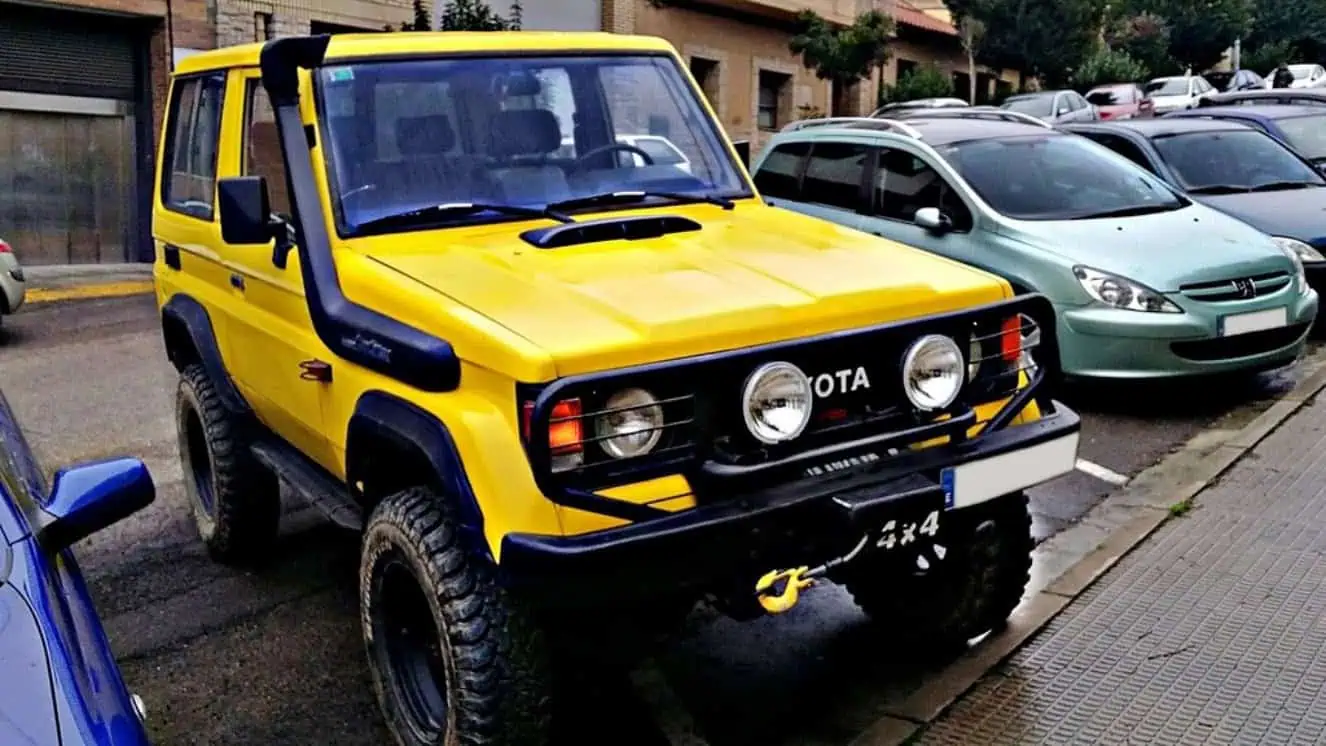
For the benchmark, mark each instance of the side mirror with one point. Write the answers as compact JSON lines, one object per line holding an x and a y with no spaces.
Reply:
{"x":743,"y":151}
{"x":90,"y":497}
{"x":246,"y":216}
{"x":931,"y":219}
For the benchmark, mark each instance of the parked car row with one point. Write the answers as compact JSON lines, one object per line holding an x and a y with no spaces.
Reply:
{"x":1185,"y":244}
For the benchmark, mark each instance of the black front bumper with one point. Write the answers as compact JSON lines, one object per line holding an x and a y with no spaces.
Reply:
{"x":788,"y":524}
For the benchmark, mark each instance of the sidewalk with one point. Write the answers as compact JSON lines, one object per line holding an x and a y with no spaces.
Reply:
{"x":46,"y":283}
{"x":1212,"y":631}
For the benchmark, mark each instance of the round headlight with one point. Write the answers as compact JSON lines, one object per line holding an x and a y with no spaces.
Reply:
{"x":632,"y":426}
{"x":932,"y":372}
{"x":776,"y":402}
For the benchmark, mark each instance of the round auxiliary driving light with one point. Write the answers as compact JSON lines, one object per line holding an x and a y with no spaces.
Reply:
{"x":776,"y":402}
{"x":932,"y":372}
{"x":632,"y":425}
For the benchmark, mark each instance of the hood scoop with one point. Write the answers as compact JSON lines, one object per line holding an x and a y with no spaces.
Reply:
{"x":632,"y":228}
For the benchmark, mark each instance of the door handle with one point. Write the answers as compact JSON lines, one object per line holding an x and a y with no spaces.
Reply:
{"x":236,"y":281}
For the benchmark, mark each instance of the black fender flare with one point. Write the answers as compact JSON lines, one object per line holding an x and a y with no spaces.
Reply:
{"x":385,"y":417}
{"x":186,"y":313}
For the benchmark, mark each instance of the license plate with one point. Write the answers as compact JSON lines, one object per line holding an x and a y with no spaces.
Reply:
{"x":902,"y":533}
{"x":985,"y":479}
{"x":1257,"y":321}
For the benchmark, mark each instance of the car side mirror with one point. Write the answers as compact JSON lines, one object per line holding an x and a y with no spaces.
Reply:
{"x":931,"y":219}
{"x":743,"y":151}
{"x":89,"y":497}
{"x":246,"y":216}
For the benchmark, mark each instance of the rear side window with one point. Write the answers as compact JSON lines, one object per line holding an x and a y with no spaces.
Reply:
{"x":779,"y":174}
{"x":834,"y":173}
{"x":1123,"y":148}
{"x":188,"y":178}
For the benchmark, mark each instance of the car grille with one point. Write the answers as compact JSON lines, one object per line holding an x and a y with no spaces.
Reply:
{"x":1242,"y":345}
{"x":1240,"y":288}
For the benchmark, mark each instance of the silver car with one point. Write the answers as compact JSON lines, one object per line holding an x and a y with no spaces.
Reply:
{"x":13,"y":287}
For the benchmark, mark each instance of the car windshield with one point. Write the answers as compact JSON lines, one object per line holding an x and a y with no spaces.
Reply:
{"x":1111,"y":96}
{"x":409,"y":135}
{"x":1232,"y":160}
{"x":1307,"y":134}
{"x":1168,"y":87}
{"x":1057,"y":177}
{"x":1036,"y":106}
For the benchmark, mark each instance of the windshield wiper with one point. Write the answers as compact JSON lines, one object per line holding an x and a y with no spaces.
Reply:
{"x":1218,"y":189}
{"x":1276,"y":186}
{"x":1127,"y":212}
{"x":432,"y":213}
{"x":633,"y":196}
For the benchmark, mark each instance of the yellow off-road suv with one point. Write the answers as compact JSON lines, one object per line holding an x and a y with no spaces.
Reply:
{"x":432,"y":284}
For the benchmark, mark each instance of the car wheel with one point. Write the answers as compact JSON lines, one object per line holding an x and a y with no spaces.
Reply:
{"x":235,"y":501}
{"x":454,"y":658}
{"x":963,"y":586}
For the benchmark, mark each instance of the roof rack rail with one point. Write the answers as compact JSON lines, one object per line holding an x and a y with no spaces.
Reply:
{"x":879,"y":122}
{"x":974,"y":112}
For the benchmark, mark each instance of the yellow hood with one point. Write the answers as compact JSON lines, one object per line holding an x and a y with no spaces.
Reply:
{"x":751,"y":275}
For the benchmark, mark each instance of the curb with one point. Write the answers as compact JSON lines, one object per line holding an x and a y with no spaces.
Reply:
{"x":1144,"y":510}
{"x":115,"y":289}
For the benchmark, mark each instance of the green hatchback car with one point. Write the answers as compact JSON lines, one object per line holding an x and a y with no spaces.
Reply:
{"x":1146,"y":283}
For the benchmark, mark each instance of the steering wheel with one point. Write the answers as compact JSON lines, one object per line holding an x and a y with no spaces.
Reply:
{"x":611,"y":147}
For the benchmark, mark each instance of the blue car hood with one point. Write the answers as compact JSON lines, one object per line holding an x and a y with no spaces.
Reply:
{"x":1163,"y":250}
{"x":27,"y":705}
{"x":1295,"y":213}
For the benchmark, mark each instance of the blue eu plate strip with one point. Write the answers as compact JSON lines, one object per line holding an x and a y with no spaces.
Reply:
{"x":946,"y":482}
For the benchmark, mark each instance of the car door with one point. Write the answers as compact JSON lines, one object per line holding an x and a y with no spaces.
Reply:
{"x":902,"y":182}
{"x":829,"y":185}
{"x":272,"y":338}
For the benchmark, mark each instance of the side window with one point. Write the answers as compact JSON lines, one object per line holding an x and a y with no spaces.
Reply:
{"x":904,"y":184}
{"x":262,"y":146}
{"x":1123,"y":148}
{"x":834,"y":173}
{"x":779,"y":174}
{"x":188,"y":179}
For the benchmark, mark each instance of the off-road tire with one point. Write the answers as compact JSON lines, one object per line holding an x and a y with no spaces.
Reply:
{"x":494,"y":657}
{"x":976,"y":591}
{"x":245,"y":497}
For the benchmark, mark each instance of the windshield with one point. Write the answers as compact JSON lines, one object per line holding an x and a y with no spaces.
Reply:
{"x":1057,"y":177}
{"x":526,"y":131}
{"x":1036,"y":106}
{"x":1307,"y":134}
{"x":1242,"y":159}
{"x":1111,"y":96}
{"x":1168,"y":87}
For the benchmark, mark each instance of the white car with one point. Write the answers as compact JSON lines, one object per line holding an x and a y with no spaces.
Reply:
{"x":661,"y":151}
{"x":12,"y":284}
{"x":1177,"y":92}
{"x":1307,"y":76}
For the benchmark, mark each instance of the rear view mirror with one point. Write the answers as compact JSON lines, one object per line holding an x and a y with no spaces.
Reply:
{"x":743,"y":151}
{"x":90,"y":497}
{"x":931,"y":219}
{"x":245,"y":210}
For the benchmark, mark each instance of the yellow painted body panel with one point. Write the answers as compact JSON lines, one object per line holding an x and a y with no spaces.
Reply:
{"x":751,"y":276}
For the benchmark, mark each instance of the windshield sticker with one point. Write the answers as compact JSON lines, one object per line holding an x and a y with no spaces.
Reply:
{"x":340,"y":74}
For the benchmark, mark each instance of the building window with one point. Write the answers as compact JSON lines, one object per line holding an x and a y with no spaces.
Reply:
{"x":773,"y":90}
{"x":706,"y":74}
{"x":262,"y":26}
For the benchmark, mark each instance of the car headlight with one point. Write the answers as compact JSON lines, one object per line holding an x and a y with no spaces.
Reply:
{"x":632,"y":425}
{"x":1120,"y":292}
{"x":776,"y":402}
{"x":1304,"y":252}
{"x":932,"y":372}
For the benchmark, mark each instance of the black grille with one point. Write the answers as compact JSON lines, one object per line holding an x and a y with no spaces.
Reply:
{"x":1240,"y":288}
{"x":1241,"y":345}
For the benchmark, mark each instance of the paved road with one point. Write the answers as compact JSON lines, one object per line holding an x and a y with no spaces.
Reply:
{"x":228,"y":657}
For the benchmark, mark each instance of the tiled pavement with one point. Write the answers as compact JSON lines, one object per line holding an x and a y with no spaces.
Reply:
{"x":1213,"y":631}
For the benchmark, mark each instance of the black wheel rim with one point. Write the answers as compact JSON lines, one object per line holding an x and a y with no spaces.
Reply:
{"x":200,"y":461}
{"x":410,"y":649}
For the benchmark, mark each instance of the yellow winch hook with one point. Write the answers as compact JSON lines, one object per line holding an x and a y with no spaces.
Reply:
{"x":776,"y":601}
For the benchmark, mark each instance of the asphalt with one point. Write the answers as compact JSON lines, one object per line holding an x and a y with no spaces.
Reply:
{"x":228,"y":657}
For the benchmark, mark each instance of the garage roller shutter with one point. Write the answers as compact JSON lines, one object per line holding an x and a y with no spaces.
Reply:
{"x":43,"y":51}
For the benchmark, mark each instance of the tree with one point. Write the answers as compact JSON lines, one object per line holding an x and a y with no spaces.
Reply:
{"x":843,"y":54}
{"x":1288,"y":31}
{"x":924,"y":81}
{"x":1108,"y":66}
{"x":1048,"y":38}
{"x":475,"y":15}
{"x":1145,"y":38}
{"x":1199,"y":30}
{"x":970,"y":33}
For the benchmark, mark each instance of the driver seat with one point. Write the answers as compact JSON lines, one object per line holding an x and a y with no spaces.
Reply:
{"x":523,"y":139}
